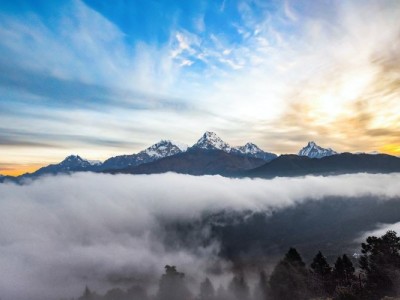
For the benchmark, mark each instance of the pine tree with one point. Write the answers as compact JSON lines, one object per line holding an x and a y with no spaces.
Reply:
{"x":289,"y":278}
{"x":87,"y":294}
{"x":343,"y":271}
{"x":380,"y":263}
{"x":321,"y":283}
{"x":172,"y":285}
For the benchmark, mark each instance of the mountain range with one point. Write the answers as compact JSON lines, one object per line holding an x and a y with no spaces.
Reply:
{"x":211,"y":155}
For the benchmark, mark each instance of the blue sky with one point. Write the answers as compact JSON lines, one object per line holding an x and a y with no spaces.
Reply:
{"x":101,"y":78}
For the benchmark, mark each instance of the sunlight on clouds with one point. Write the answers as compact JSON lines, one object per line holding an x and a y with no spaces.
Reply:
{"x":392,"y":149}
{"x":329,"y":73}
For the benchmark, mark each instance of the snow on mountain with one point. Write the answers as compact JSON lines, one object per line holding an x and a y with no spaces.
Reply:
{"x":163,"y":148}
{"x":370,"y":153}
{"x":249,"y":148}
{"x":252,"y":150}
{"x":211,"y":141}
{"x":312,"y":150}
{"x":73,"y":161}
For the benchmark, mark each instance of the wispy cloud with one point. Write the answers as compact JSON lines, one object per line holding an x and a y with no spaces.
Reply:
{"x":277,"y":73}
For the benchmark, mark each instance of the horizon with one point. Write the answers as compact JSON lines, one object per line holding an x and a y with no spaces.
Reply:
{"x":37,"y":167}
{"x":106,"y":79}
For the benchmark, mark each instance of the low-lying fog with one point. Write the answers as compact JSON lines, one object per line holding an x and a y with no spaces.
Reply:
{"x":60,"y":233}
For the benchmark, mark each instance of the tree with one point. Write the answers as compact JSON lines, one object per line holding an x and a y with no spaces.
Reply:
{"x":239,"y":288}
{"x":172,"y":285}
{"x":321,"y":272}
{"x":206,"y":290}
{"x":87,"y":294}
{"x":289,"y":278}
{"x":380,"y":263}
{"x":343,"y":271}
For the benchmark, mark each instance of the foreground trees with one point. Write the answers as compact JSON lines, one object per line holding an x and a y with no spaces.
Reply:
{"x":380,"y":264}
{"x":173,"y":286}
{"x":378,"y":277}
{"x":289,"y":278}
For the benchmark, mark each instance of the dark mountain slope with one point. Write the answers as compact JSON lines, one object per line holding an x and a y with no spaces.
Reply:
{"x":198,"y":162}
{"x":345,"y":163}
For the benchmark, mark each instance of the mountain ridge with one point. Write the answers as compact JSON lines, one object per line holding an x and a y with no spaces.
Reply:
{"x":215,"y":156}
{"x":344,"y":163}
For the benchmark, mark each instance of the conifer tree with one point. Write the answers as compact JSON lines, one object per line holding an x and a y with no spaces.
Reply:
{"x":321,"y":272}
{"x":172,"y":285}
{"x":289,"y":278}
{"x":87,"y":294}
{"x":343,"y":271}
{"x":380,"y":263}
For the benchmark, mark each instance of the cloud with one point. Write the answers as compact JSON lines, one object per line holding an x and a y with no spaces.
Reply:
{"x":60,"y":233}
{"x":380,"y":230}
{"x":289,"y":12}
{"x":289,"y":72}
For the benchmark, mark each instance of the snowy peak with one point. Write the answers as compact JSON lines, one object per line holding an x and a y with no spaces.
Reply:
{"x":249,"y":148}
{"x":164,"y":148}
{"x":252,"y":150}
{"x":73,"y":161}
{"x":312,"y":150}
{"x":211,"y":141}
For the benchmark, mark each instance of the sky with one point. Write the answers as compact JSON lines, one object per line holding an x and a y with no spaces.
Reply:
{"x":103,"y":78}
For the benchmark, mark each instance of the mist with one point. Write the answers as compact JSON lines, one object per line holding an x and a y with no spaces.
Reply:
{"x":61,"y":233}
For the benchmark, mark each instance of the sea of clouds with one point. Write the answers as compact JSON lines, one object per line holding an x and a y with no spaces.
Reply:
{"x":60,"y":233}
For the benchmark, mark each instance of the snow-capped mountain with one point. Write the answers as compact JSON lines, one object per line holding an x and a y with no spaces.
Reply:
{"x":211,"y":141}
{"x":252,"y":150}
{"x":72,"y":163}
{"x":312,"y":150}
{"x":162,"y":149}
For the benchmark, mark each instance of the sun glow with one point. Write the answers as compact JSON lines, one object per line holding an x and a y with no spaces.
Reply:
{"x":393,"y":149}
{"x":16,"y":170}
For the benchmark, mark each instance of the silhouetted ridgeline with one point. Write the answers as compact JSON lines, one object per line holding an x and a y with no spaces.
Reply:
{"x":376,"y":276}
{"x":197,"y":161}
{"x":345,"y":163}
